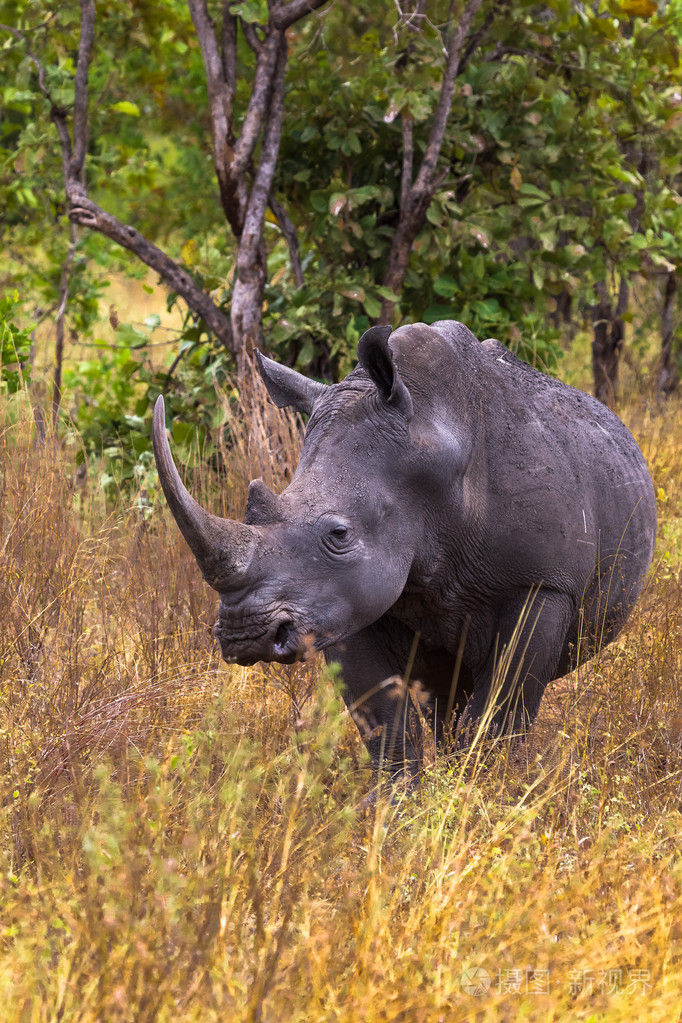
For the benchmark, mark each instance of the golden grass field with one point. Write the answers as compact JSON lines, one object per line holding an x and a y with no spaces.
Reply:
{"x":184,"y":841}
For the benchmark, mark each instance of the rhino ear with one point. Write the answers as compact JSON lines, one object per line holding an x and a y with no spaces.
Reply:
{"x":376,"y":359}
{"x":286,"y":387}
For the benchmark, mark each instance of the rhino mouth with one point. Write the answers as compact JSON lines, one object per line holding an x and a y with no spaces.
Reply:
{"x":286,"y":640}
{"x":283,"y":641}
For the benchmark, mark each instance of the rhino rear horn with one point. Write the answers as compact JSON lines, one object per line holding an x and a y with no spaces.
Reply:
{"x":286,"y":387}
{"x":223,"y":548}
{"x":376,"y":359}
{"x":262,"y":506}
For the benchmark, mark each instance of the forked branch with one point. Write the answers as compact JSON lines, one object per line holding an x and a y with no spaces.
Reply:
{"x":244,"y":163}
{"x":416,"y":196}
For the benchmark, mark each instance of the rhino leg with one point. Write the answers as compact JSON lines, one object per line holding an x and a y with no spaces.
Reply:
{"x":451,"y":687}
{"x":373,"y":664}
{"x":530,"y":647}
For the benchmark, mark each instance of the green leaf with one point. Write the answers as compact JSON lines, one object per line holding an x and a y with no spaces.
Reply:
{"x":659,"y":260}
{"x":254,"y":12}
{"x":126,"y":107}
{"x":548,"y":239}
{"x":182,"y":432}
{"x":529,"y":189}
{"x":365,"y":193}
{"x":445,"y":287}
{"x":489,"y":308}
{"x":623,"y":174}
{"x":389,"y":295}
{"x":437,"y":311}
{"x":306,"y":355}
{"x":372,"y":306}
{"x":355,"y":294}
{"x":319,"y":201}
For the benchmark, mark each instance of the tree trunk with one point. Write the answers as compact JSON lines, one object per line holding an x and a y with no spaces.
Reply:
{"x":607,"y":343}
{"x":247,"y":311}
{"x":562,"y":313}
{"x":668,"y":373}
{"x":60,"y":322}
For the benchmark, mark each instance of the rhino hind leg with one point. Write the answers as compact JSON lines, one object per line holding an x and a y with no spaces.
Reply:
{"x":609,"y":599}
{"x":508,"y":686}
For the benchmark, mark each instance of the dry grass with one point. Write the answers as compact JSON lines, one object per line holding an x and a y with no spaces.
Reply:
{"x":183,"y":841}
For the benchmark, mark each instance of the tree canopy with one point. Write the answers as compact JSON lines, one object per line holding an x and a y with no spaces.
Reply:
{"x":297,"y":171}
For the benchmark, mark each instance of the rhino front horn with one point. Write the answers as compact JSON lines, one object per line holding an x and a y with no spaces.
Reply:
{"x":223,"y":548}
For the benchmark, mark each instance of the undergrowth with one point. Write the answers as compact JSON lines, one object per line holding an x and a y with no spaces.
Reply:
{"x":186,"y":841}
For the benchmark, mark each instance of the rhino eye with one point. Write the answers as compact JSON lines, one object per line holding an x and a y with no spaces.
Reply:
{"x":337,"y":538}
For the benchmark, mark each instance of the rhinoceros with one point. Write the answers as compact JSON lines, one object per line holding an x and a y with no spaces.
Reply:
{"x":446,"y":492}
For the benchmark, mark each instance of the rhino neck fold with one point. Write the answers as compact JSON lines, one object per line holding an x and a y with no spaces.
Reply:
{"x":223,"y":548}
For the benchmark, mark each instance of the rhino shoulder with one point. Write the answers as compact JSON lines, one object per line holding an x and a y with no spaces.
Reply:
{"x":495,"y":348}
{"x":508,"y":366}
{"x":500,"y":353}
{"x":455,"y":332}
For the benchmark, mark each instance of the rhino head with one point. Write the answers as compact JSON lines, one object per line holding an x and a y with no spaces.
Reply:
{"x":332,"y":553}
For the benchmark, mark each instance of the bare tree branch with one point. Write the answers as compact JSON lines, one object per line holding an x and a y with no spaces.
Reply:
{"x":440,"y":118}
{"x":89,"y":214}
{"x":34,"y":60}
{"x":57,"y":113}
{"x":416,"y":198}
{"x":291,"y":238}
{"x":229,"y":54}
{"x":247,"y":295}
{"x":496,"y":11}
{"x":258,"y":102}
{"x":414,"y":19}
{"x":80,"y":102}
{"x":220,"y":95}
{"x":221,"y":116}
{"x":253,"y":39}
{"x":408,"y":157}
{"x":262,"y":185}
{"x":284,"y":16}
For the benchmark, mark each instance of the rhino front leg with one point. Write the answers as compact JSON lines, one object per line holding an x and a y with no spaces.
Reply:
{"x":373,"y":664}
{"x":531,"y":637}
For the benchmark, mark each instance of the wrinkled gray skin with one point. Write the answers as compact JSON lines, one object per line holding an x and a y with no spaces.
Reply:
{"x":441,"y":483}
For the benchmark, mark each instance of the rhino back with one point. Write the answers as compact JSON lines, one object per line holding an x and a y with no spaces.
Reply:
{"x":558,"y":482}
